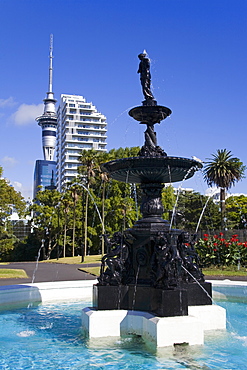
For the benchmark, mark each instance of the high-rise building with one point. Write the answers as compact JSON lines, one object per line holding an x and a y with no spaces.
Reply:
{"x":80,"y":126}
{"x":45,"y":170}
{"x":44,"y":175}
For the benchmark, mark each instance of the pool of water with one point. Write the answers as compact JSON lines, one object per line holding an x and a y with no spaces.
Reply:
{"x":49,"y":337}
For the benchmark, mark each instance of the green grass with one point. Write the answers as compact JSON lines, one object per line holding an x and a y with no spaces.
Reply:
{"x":225,"y":271}
{"x":76,"y":260}
{"x":91,"y":270}
{"x":213,"y":271}
{"x":12,"y":273}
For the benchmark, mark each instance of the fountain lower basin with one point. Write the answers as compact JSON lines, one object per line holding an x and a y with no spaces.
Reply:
{"x":33,"y":337}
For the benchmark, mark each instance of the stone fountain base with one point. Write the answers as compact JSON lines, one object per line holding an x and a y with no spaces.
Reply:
{"x":161,"y":331}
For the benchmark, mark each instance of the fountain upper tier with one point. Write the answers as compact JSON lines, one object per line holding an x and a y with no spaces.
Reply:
{"x":148,"y":170}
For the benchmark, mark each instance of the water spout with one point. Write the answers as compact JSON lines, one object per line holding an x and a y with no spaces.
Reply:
{"x":193,"y":277}
{"x":205,"y":205}
{"x":96,"y":207}
{"x":178,"y":193}
{"x":37,"y":260}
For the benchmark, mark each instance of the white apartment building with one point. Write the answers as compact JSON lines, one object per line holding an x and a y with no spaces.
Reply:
{"x":80,"y":126}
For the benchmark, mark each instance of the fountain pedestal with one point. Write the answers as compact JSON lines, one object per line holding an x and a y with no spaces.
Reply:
{"x":159,"y":331}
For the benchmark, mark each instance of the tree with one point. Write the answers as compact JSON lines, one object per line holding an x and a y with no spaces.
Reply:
{"x":47,"y":219}
{"x":10,"y":200}
{"x":168,"y":201}
{"x":189,"y":209}
{"x":90,"y":164}
{"x":223,"y":170}
{"x":236,"y":208}
{"x":112,"y":197}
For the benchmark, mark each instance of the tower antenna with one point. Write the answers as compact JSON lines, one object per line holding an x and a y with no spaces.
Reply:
{"x":50,"y":66}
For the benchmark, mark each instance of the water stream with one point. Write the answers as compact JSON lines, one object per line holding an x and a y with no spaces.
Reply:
{"x":96,"y":207}
{"x":37,"y":260}
{"x":198,"y":283}
{"x":203,"y":210}
{"x":135,"y":288}
{"x":178,"y":193}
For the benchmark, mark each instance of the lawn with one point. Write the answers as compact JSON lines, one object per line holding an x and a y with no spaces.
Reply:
{"x":12,"y":273}
{"x":225,"y":271}
{"x":76,"y":260}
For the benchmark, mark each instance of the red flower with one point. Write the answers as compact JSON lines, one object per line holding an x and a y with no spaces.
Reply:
{"x":205,"y":235}
{"x":221,"y":234}
{"x":215,"y":244}
{"x":215,"y":236}
{"x":215,"y":250}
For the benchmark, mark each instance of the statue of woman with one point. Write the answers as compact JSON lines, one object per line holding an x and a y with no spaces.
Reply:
{"x":145,"y":76}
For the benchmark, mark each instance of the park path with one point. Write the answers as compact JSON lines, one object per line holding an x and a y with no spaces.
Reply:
{"x":47,"y":272}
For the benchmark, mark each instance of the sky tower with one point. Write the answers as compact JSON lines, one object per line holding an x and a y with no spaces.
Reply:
{"x":48,"y":120}
{"x":45,"y":170}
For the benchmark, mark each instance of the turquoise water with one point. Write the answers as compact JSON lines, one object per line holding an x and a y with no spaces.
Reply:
{"x":49,"y":337}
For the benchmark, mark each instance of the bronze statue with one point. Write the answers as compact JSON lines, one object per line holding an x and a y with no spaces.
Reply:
{"x":190,"y":258}
{"x":114,"y":260}
{"x":145,"y":76}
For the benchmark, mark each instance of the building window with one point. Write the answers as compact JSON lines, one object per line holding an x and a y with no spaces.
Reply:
{"x":71,"y":105}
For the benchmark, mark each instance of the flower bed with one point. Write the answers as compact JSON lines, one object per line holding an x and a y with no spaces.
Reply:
{"x":218,"y":251}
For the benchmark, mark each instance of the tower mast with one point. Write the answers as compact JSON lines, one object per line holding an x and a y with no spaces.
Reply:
{"x":48,"y":120}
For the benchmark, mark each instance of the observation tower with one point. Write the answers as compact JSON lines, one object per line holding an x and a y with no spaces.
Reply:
{"x":48,"y":120}
{"x":45,"y":170}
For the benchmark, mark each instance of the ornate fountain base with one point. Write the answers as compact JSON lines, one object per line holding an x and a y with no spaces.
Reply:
{"x":160,"y":302}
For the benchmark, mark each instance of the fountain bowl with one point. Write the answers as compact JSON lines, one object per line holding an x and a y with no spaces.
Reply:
{"x":150,"y":114}
{"x":147,"y":170}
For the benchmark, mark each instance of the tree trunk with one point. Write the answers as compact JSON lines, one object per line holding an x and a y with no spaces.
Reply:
{"x":64,"y":239}
{"x":73,"y":235}
{"x":103,"y":220}
{"x":223,"y":207}
{"x":85,"y":223}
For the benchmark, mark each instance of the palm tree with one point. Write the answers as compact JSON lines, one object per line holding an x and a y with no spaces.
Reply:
{"x":223,"y":170}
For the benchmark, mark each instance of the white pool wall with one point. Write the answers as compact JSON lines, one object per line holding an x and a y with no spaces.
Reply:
{"x":23,"y":294}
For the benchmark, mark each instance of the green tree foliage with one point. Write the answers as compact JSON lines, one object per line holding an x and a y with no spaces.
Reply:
{"x":236,"y":212}
{"x":223,"y":170}
{"x":49,"y":215}
{"x":189,"y":209}
{"x":115,"y":200}
{"x":10,"y":200}
{"x":168,"y":201}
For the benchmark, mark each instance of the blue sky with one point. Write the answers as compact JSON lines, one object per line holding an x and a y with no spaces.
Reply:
{"x":199,"y":70}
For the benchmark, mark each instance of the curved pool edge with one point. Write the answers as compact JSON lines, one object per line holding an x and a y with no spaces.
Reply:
{"x":230,"y":290}
{"x":25,"y":294}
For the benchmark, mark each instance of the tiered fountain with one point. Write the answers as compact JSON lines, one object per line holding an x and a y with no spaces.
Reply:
{"x":150,"y":282}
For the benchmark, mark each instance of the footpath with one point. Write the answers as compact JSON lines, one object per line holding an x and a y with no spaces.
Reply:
{"x":47,"y":272}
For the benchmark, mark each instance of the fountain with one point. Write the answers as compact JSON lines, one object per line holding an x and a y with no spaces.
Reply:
{"x":150,"y":282}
